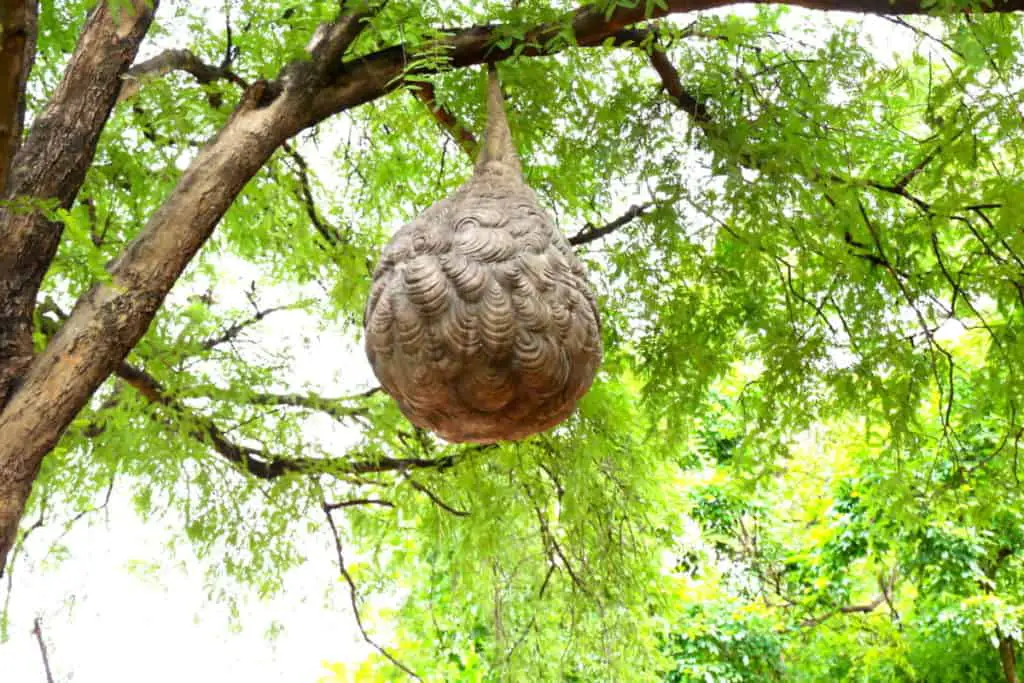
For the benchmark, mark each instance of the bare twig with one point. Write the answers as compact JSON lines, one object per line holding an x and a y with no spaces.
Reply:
{"x":232,"y":331}
{"x":37,"y":631}
{"x":353,"y":595}
{"x":556,"y":549}
{"x":437,"y":501}
{"x":589,"y":233}
{"x":331,"y":234}
{"x":352,"y":502}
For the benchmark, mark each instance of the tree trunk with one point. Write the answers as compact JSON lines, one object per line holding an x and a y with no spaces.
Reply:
{"x":1008,"y":657}
{"x":48,"y":169}
{"x":17,"y":43}
{"x":50,"y":166}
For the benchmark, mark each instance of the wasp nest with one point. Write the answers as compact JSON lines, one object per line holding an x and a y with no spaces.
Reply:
{"x":480,"y":321}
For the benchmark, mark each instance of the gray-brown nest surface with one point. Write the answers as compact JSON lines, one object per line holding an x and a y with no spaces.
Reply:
{"x":480,"y":321}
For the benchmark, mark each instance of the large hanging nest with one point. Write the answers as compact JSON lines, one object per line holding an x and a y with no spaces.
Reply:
{"x":480,"y":321}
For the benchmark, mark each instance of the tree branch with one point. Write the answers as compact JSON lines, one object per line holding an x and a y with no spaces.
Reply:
{"x":426,"y":94}
{"x":337,"y":408}
{"x":589,"y":233}
{"x":255,"y":461}
{"x":433,"y":497}
{"x":232,"y":331}
{"x":49,"y":168}
{"x":332,"y":40}
{"x":352,"y":502}
{"x":846,"y":609}
{"x":331,"y":234}
{"x":366,"y":78}
{"x":15,"y":22}
{"x":174,"y":60}
{"x":353,"y":594}
{"x":37,"y":631}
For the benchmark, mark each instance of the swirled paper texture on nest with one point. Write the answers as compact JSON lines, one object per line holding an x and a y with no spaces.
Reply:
{"x":480,"y":321}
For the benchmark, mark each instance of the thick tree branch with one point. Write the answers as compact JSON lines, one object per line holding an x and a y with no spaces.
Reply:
{"x":31,"y":37}
{"x":366,"y":78}
{"x":50,"y":168}
{"x":15,"y":24}
{"x":333,"y":40}
{"x":692,"y":105}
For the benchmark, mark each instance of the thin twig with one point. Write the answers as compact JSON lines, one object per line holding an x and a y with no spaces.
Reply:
{"x":358,"y":501}
{"x":233,"y":330}
{"x":37,"y":631}
{"x":332,"y":235}
{"x":353,"y":595}
{"x":589,"y":233}
{"x":437,"y":501}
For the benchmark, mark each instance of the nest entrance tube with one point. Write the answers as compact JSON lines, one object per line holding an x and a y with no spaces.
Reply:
{"x":497,"y":146}
{"x":480,"y":321}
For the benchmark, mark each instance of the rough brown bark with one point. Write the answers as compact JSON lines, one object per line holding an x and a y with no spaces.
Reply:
{"x":14,"y":21}
{"x":1008,"y":657}
{"x":50,"y":166}
{"x":107,"y":321}
{"x":374,"y":75}
{"x":111,"y":318}
{"x":32,"y":35}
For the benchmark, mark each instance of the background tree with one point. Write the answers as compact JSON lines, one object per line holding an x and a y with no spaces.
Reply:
{"x":811,"y":274}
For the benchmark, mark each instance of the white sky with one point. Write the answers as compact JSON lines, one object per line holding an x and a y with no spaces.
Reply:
{"x":105,"y":622}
